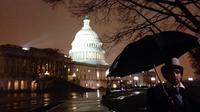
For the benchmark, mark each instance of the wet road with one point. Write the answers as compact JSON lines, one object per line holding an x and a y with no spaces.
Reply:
{"x":65,"y":102}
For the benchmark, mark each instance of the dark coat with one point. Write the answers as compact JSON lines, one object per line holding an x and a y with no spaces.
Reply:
{"x":158,"y":101}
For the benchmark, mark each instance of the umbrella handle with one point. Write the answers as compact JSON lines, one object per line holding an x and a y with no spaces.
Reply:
{"x":164,"y":90}
{"x":154,"y":67}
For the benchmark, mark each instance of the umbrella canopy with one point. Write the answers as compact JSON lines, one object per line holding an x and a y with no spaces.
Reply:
{"x":150,"y":51}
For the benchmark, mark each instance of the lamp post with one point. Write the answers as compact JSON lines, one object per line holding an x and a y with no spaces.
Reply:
{"x":136,"y":78}
{"x":46,"y":73}
{"x":153,"y":79}
{"x":190,"y":79}
{"x":74,"y":76}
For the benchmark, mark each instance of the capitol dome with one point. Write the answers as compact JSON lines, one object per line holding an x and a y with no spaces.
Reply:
{"x":87,"y":47}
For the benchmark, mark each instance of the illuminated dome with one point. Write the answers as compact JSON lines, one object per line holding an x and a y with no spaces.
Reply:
{"x":87,"y":47}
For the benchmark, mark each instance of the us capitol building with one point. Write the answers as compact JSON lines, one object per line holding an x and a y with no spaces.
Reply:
{"x":89,"y":68}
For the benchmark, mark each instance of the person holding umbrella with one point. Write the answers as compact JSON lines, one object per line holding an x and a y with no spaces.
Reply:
{"x":154,"y":50}
{"x":173,"y":95}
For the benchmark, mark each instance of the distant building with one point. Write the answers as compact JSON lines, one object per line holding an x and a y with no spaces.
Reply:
{"x":26,"y":68}
{"x":143,"y":79}
{"x":89,"y":66}
{"x":88,"y":75}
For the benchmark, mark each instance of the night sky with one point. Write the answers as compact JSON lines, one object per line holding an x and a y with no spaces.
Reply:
{"x":33,"y":23}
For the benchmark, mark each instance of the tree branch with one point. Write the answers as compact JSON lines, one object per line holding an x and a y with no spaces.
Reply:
{"x":142,"y":16}
{"x":189,"y":15}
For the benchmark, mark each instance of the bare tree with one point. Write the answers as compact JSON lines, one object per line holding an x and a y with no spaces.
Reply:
{"x":140,"y":16}
{"x":137,"y":18}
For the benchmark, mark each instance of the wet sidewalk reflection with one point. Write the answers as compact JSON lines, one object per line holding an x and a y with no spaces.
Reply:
{"x":88,"y":102}
{"x":62,"y":102}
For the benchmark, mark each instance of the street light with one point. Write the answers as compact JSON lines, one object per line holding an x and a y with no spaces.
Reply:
{"x":68,"y":69}
{"x":190,"y":79}
{"x":153,"y":79}
{"x":46,"y":73}
{"x":114,"y":86}
{"x":135,"y":78}
{"x":44,"y":79}
{"x":74,"y":76}
{"x":25,"y":48}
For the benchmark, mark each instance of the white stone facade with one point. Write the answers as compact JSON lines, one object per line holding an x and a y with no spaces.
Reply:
{"x":87,"y":47}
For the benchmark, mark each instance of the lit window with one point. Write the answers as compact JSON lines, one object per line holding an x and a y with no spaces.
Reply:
{"x":33,"y":85}
{"x":16,"y":85}
{"x":68,"y":69}
{"x":9,"y":85}
{"x":97,"y":74}
{"x":22,"y":85}
{"x":98,"y":84}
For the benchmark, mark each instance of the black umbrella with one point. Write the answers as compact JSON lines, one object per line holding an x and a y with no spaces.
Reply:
{"x":150,"y":51}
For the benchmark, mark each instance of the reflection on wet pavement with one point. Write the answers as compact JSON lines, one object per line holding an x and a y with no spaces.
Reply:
{"x":88,"y":102}
{"x":68,"y":102}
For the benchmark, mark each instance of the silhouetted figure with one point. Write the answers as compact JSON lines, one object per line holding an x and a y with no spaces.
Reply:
{"x":173,"y":95}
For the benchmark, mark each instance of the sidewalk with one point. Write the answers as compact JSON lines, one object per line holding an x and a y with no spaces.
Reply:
{"x":134,"y":101}
{"x":130,"y":101}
